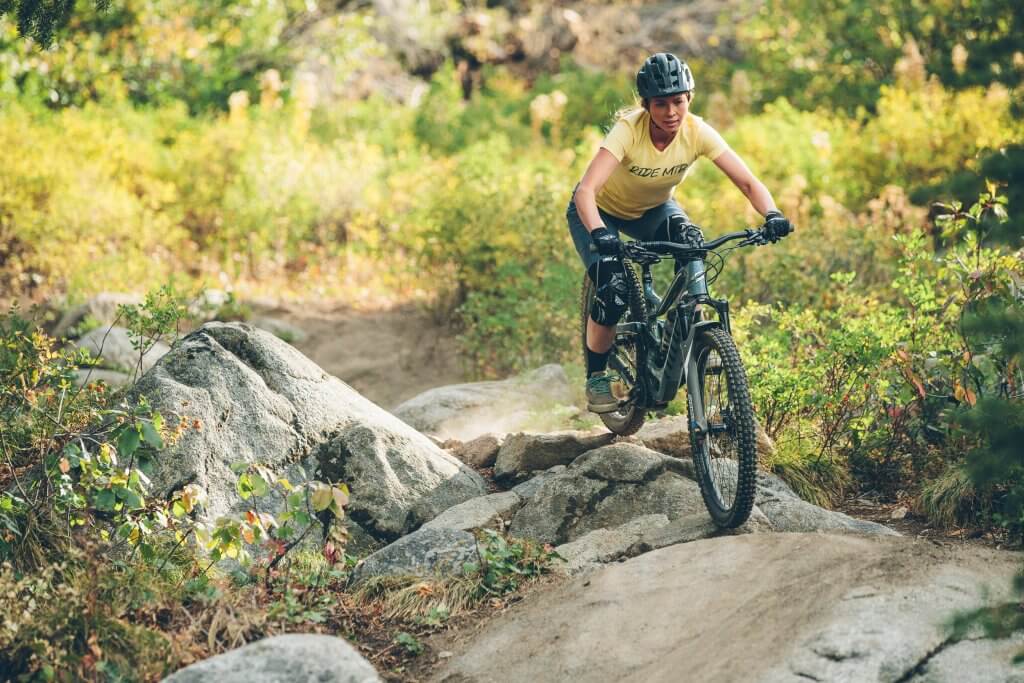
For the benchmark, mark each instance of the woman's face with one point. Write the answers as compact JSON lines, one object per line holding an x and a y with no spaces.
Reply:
{"x":668,"y":112}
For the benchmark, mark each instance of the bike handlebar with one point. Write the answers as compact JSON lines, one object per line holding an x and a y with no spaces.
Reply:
{"x":677,"y":249}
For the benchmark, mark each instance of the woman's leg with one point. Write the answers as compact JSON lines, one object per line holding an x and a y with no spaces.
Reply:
{"x":609,"y":278}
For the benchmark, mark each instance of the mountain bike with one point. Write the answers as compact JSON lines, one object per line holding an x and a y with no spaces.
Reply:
{"x":684,"y":339}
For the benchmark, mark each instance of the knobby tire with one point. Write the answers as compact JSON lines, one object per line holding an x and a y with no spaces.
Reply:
{"x":718,"y":479}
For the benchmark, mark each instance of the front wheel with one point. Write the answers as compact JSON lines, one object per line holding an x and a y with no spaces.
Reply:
{"x":725,"y":456}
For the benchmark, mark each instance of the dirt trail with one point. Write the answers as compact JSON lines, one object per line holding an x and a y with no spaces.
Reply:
{"x":773,"y":607}
{"x":387,"y":355}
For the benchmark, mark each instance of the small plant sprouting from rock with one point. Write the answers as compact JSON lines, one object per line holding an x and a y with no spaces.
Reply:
{"x":159,"y":315}
{"x":409,"y":643}
{"x":507,"y":563}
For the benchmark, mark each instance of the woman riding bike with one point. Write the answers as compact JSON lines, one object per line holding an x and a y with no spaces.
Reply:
{"x":628,"y":188}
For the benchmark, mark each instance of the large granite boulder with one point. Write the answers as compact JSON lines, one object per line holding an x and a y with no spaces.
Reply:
{"x":291,"y":658}
{"x":465,"y":411}
{"x":250,"y":397}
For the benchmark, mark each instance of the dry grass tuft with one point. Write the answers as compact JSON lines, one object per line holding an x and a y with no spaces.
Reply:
{"x":412,"y":598}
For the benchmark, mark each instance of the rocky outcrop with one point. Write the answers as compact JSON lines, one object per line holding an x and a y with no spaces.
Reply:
{"x":479,"y":452}
{"x":755,"y":607}
{"x":786,"y":511}
{"x":426,"y":552}
{"x":298,"y":657}
{"x":478,"y":513}
{"x":603,"y":488}
{"x":669,"y":435}
{"x":247,"y":396}
{"x":522,"y":455}
{"x":465,"y":411}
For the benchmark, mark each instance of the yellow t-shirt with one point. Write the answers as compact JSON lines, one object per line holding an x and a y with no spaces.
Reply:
{"x":646,"y":176}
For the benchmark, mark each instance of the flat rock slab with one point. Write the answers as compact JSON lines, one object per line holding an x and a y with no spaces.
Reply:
{"x":478,"y":513}
{"x":986,"y":660}
{"x":465,"y":411}
{"x":669,"y":435}
{"x":522,"y":455}
{"x":292,"y":658}
{"x":757,"y":607}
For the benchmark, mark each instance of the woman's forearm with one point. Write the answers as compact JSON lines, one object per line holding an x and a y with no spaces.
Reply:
{"x":760,"y":198}
{"x":586,"y":207}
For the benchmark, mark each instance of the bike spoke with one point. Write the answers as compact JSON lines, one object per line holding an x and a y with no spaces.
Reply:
{"x":720,"y":442}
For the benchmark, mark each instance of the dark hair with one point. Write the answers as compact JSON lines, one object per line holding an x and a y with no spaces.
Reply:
{"x":645,"y":102}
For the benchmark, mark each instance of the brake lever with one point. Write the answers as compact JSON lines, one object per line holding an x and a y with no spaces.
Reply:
{"x":756,"y":238}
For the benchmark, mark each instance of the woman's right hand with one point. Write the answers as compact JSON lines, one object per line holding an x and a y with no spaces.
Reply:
{"x":606,"y":241}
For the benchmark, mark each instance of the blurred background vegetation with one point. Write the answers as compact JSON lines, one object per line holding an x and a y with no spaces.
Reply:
{"x":425,"y":150}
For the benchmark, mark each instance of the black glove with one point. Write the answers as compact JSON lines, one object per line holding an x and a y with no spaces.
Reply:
{"x":606,"y":241}
{"x":776,"y":226}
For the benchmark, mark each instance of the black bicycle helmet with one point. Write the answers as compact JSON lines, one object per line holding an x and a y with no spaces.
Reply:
{"x":663,"y":74}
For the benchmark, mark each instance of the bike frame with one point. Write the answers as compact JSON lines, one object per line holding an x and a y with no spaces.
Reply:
{"x":687,"y":295}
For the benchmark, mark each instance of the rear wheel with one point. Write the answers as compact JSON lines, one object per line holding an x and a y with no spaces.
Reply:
{"x":626,"y":359}
{"x":725,"y":457}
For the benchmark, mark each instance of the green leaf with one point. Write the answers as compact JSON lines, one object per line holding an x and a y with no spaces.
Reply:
{"x":259,"y":485}
{"x":128,"y":440}
{"x":244,"y":486}
{"x":321,"y":497}
{"x":131,"y":499}
{"x":152,"y":436}
{"x":238,"y":467}
{"x":145,"y":465}
{"x":105,"y":500}
{"x":148,"y":553}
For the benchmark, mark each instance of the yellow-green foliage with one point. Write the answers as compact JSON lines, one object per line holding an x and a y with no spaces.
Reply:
{"x":82,"y":203}
{"x":920,"y":136}
{"x":493,"y":237}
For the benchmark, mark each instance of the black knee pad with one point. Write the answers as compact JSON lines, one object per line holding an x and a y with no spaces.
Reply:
{"x":679,"y":229}
{"x":612,"y":293}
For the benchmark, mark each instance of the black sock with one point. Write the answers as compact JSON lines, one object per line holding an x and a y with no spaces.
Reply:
{"x":597,"y":362}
